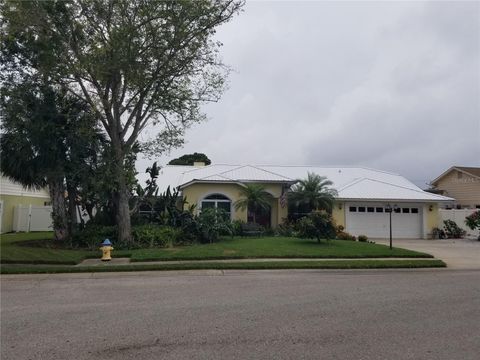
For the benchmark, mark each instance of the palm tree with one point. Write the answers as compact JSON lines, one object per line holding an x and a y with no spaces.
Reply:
{"x":39,"y":129}
{"x":314,"y":192}
{"x":254,"y":197}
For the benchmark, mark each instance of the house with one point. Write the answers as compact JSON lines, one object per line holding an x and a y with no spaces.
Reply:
{"x":461,"y":183}
{"x":363,"y":195}
{"x":16,"y":203}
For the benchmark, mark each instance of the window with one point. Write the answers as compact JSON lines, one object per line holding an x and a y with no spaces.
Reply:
{"x":208,"y":204}
{"x":361,"y":209}
{"x":379,"y":209}
{"x":414,"y":210}
{"x":352,"y":209}
{"x":217,"y":201}
{"x":397,"y":210}
{"x":370,"y":209}
{"x":47,"y":203}
{"x":145,"y":209}
{"x":217,"y":197}
{"x":406,"y":210}
{"x":477,"y":206}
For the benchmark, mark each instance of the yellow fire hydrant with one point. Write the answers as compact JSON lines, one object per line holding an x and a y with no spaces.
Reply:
{"x":106,"y":250}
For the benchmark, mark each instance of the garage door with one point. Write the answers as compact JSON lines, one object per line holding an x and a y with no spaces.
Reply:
{"x":372,"y":220}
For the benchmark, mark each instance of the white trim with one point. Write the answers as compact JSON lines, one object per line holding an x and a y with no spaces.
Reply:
{"x":432,"y":201}
{"x":204,"y":198}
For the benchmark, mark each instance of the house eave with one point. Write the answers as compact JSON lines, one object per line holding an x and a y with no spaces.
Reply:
{"x":395,"y":200}
{"x":239,"y":182}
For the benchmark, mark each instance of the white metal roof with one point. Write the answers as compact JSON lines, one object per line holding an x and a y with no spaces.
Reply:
{"x":371,"y":189}
{"x":245,"y":173}
{"x":350,"y":182}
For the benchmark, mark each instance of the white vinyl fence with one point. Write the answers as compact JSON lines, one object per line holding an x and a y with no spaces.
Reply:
{"x":458,"y":215}
{"x":32,"y":218}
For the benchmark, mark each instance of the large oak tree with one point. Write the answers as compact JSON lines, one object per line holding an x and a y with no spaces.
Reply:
{"x":138,"y":64}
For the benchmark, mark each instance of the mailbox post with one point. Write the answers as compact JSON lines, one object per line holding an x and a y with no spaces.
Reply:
{"x":390,"y":209}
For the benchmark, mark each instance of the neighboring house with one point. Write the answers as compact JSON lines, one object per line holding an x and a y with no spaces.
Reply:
{"x":12,"y":195}
{"x":363,"y":195}
{"x":461,"y":183}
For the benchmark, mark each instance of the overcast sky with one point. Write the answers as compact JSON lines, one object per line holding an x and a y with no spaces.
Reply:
{"x":388,"y":85}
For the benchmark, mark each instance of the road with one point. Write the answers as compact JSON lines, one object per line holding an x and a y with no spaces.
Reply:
{"x":396,"y":314}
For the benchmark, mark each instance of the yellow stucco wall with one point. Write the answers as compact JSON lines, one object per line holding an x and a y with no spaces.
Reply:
{"x":196,"y":192}
{"x":9,"y":203}
{"x":432,"y":218}
{"x":338,"y":213}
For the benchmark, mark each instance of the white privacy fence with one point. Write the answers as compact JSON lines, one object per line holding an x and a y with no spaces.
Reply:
{"x":458,"y":215}
{"x":32,"y":218}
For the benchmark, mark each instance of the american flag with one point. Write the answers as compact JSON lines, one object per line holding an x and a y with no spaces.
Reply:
{"x":283,"y":199}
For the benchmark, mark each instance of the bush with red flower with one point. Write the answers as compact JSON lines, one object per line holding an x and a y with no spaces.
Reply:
{"x":473,"y":221}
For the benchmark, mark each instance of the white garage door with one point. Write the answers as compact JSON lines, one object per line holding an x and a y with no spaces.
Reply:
{"x":373,"y":221}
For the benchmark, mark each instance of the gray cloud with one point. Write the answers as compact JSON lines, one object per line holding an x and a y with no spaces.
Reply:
{"x":394,"y":86}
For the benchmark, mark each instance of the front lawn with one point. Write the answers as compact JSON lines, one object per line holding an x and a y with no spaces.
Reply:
{"x":29,"y":248}
{"x":273,"y":247}
{"x":38,"y":248}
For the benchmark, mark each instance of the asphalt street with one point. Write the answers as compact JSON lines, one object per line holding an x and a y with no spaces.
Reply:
{"x":389,"y":314}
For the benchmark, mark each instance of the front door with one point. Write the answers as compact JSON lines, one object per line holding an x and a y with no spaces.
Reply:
{"x":261,"y":216}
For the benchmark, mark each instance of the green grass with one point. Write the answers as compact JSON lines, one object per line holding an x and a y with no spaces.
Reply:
{"x":325,"y":264}
{"x":273,"y":247}
{"x":12,"y":250}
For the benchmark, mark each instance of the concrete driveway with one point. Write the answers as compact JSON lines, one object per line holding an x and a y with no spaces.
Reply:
{"x":457,"y":253}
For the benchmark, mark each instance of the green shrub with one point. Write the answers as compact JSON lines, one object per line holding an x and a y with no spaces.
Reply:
{"x":452,"y":230}
{"x":268,"y":232}
{"x":155,"y":236}
{"x":93,"y":235}
{"x":306,"y":228}
{"x":190,"y":229}
{"x":317,"y":225}
{"x":343,"y":235}
{"x":473,"y":220}
{"x":438,"y":233}
{"x":286,"y":229}
{"x":212,"y":224}
{"x":237,"y":227}
{"x":362,"y":238}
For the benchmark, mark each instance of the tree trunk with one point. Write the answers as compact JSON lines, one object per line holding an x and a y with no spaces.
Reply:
{"x":122,"y":215}
{"x":121,"y":198}
{"x":72,"y":209}
{"x":59,"y":211}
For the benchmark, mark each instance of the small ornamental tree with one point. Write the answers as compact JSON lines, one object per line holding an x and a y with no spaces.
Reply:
{"x":317,"y":225}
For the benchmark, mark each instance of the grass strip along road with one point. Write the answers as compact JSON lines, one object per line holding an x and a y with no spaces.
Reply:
{"x":319,"y":264}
